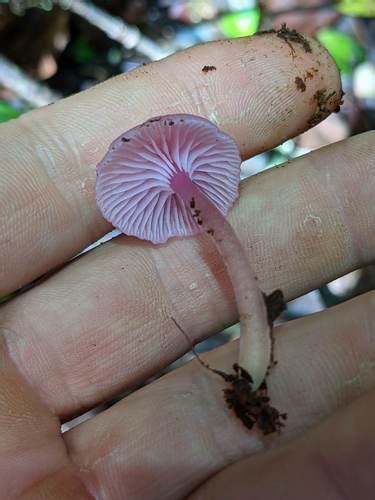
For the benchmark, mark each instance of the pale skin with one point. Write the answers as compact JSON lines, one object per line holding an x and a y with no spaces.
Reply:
{"x":102,"y":324}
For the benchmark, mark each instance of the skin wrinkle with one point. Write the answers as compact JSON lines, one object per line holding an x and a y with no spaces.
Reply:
{"x":68,"y":481}
{"x":365,"y":367}
{"x":60,"y":144}
{"x":45,"y":205}
{"x":268,"y":102}
{"x":345,"y":207}
{"x":31,"y":443}
{"x":335,"y":467}
{"x":345,"y":349}
{"x":128,"y":304}
{"x":329,"y":475}
{"x":44,"y":354}
{"x":173,"y":276}
{"x":305,"y":242}
{"x":337,"y":205}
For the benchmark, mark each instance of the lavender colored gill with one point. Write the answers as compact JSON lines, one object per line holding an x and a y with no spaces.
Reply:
{"x":138,"y":179}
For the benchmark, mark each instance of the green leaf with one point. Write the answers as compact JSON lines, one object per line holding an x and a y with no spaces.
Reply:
{"x":356,"y":8}
{"x":82,"y":51}
{"x":243,"y":23}
{"x":8,"y":112}
{"x":344,"y":49}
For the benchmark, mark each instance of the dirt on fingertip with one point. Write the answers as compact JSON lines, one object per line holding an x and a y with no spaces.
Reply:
{"x":290,"y":36}
{"x":300,"y":84}
{"x":340,"y":102}
{"x":324,"y":104}
{"x":206,"y":69}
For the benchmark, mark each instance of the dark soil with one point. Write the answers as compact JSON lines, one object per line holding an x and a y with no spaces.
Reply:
{"x":290,"y":36}
{"x":275,"y":304}
{"x":322,"y":98}
{"x":206,"y":69}
{"x":300,"y":84}
{"x":340,"y":102}
{"x":251,"y":407}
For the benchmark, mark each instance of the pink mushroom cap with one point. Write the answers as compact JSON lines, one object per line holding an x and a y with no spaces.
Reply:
{"x":135,"y":179}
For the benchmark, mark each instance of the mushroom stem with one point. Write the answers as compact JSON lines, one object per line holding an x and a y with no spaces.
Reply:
{"x":255,"y":338}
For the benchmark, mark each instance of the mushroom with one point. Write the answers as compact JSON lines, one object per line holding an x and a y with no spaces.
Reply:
{"x":178,"y":175}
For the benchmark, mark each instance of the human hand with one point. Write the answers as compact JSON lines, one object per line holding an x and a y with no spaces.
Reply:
{"x":102,"y":323}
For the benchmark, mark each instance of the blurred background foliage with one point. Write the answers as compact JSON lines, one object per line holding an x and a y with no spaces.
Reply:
{"x":54,"y":48}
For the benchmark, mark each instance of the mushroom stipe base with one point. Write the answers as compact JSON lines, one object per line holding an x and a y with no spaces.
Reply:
{"x":251,"y":407}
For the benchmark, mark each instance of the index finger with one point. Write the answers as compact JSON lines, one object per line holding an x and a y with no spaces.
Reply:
{"x":262,"y":91}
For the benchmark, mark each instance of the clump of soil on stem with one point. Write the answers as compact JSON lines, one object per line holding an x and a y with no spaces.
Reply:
{"x":252,"y":407}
